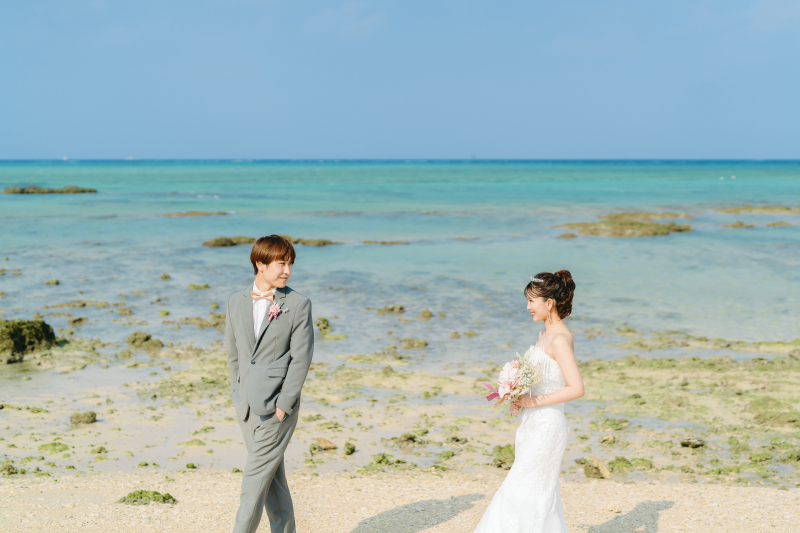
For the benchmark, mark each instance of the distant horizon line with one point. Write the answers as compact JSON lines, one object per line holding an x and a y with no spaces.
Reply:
{"x":395,"y":160}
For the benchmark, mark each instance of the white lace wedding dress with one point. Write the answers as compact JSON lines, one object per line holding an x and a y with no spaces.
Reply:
{"x":529,"y":500}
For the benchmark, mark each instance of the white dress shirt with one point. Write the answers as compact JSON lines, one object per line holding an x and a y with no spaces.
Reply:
{"x":260,"y":307}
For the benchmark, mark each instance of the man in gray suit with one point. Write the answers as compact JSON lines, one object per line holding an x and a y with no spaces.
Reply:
{"x":270,"y":337}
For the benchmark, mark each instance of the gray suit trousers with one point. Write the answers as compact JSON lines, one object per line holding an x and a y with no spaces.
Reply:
{"x":264,"y":484}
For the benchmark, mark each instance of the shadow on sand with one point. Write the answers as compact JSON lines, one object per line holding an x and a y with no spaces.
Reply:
{"x":417,"y":516}
{"x":642,"y":519}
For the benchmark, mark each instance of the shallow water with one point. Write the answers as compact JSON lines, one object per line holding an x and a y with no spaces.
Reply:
{"x":113,"y":246}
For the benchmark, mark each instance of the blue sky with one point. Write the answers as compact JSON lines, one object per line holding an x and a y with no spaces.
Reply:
{"x":399,"y":79}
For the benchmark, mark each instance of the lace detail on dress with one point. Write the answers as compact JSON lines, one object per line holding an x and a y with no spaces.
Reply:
{"x":529,"y":500}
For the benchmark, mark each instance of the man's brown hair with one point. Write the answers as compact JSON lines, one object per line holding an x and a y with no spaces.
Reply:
{"x":271,"y":248}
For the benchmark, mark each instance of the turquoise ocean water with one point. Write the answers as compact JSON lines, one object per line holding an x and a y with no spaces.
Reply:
{"x":477,"y":230}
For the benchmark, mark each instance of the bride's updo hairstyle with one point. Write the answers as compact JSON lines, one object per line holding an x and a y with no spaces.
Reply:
{"x":559,"y":286}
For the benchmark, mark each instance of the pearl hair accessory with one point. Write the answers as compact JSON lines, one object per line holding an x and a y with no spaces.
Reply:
{"x":537,"y":280}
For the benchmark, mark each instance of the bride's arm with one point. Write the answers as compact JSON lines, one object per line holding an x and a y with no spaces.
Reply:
{"x":565,"y":357}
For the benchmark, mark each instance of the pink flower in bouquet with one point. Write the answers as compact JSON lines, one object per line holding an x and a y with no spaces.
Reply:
{"x":509,"y":379}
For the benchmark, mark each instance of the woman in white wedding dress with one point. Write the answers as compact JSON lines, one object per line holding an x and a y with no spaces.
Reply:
{"x":529,"y":500}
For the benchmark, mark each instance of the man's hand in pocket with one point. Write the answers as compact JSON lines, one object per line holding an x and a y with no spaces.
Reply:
{"x":280,"y":414}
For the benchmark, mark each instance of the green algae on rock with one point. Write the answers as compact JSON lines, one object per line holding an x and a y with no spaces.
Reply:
{"x":386,"y":243}
{"x":69,"y":189}
{"x":567,"y":236}
{"x":739,"y":225}
{"x":769,"y":411}
{"x":217,"y":321}
{"x":20,"y":337}
{"x":144,"y":341}
{"x":326,"y":330}
{"x":198,"y":286}
{"x":310,"y":242}
{"x":193,"y":442}
{"x":503,"y":456}
{"x":630,"y":225}
{"x":144,"y":497}
{"x":778,"y":224}
{"x":394,"y":309}
{"x":53,"y":447}
{"x":660,"y":340}
{"x":234,"y":241}
{"x":89,"y":417}
{"x":221,"y":242}
{"x":165,"y":276}
{"x":409,"y":343}
{"x":761,"y":210}
{"x":595,"y":468}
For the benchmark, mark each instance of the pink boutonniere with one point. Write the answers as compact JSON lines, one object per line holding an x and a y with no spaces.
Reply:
{"x":274,"y":311}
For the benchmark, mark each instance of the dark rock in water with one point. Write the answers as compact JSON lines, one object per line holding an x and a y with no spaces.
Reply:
{"x":77,"y":321}
{"x":143,"y":497}
{"x":229,"y":241}
{"x":18,"y":337}
{"x":409,"y":343}
{"x":165,"y":276}
{"x":143,"y":341}
{"x":567,"y":236}
{"x":52,"y":282}
{"x":69,"y":189}
{"x":397,"y":309}
{"x":198,"y":286}
{"x":309,"y":242}
{"x":89,"y":417}
{"x":326,"y":330}
{"x":324,"y":325}
{"x":504,"y":456}
{"x":693,"y":442}
{"x":349,"y":448}
{"x":234,"y":241}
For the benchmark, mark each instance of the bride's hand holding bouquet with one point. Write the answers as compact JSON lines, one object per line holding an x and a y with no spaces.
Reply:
{"x":515,"y":378}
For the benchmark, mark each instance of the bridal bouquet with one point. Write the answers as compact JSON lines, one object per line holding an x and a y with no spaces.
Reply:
{"x":515,"y":378}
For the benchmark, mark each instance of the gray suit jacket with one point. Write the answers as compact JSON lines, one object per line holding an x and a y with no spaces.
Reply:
{"x":268,"y":372}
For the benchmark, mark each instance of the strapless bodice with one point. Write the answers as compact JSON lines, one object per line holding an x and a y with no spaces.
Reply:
{"x":552,"y":378}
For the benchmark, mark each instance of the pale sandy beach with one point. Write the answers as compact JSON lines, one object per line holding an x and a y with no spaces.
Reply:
{"x":332,"y":503}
